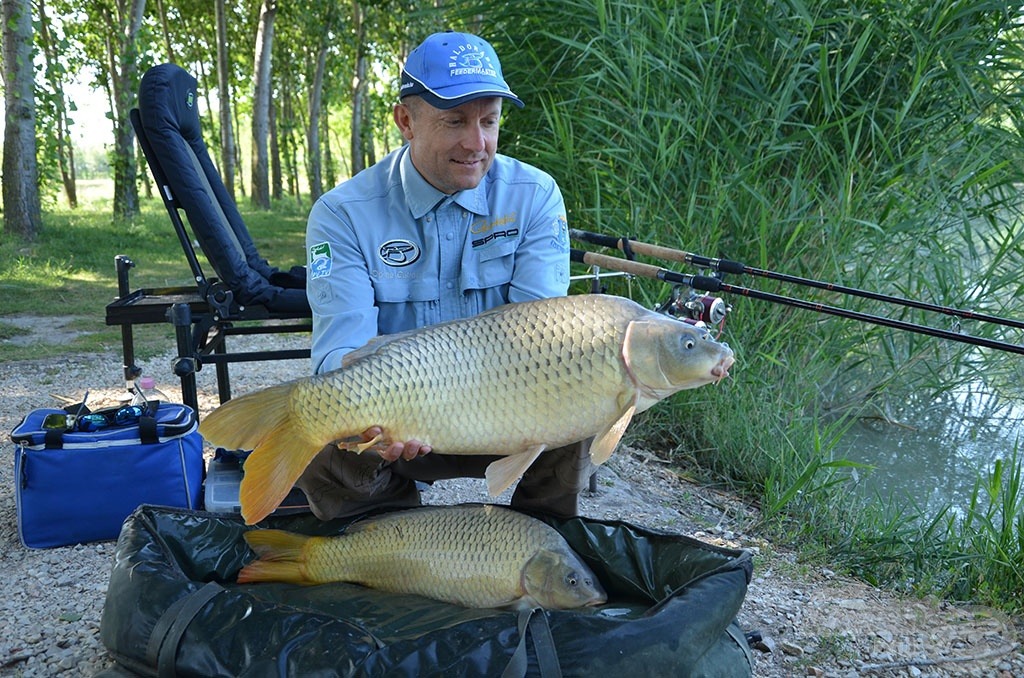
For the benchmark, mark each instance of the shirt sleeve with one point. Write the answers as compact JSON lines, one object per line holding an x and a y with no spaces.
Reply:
{"x":542,"y":258}
{"x":338,"y":287}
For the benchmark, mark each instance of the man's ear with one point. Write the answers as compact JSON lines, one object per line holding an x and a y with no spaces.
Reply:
{"x":403,"y":120}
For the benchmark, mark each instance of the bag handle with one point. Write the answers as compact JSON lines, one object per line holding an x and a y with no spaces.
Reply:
{"x":53,"y":439}
{"x":543,"y":644}
{"x":147,"y":430}
{"x":170,"y":627}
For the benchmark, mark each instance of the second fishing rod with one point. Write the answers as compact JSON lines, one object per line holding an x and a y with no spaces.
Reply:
{"x":710,"y":284}
{"x":630,"y":247}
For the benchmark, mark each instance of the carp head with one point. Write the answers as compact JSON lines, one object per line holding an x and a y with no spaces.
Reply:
{"x":664,"y":355}
{"x":559,"y":580}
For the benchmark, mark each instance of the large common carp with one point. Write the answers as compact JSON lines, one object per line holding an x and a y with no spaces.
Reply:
{"x":512,"y":381}
{"x":474,"y":556}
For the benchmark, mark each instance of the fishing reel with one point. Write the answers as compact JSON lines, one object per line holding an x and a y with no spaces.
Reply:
{"x":690,"y":306}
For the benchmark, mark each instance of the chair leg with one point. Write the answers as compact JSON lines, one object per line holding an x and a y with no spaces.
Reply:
{"x":223,"y":377}
{"x":131,"y":371}
{"x":185,"y":363}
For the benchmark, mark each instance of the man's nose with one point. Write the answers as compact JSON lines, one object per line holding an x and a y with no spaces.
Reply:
{"x":474,"y":138}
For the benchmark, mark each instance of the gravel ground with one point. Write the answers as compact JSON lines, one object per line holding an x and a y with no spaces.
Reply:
{"x":812,"y":621}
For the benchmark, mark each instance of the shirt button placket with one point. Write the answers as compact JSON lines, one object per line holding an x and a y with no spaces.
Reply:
{"x":451,"y":259}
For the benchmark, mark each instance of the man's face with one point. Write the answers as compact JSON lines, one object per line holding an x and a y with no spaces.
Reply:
{"x":453,"y":148}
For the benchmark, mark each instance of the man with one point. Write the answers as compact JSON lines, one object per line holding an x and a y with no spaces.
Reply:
{"x":440,"y":229}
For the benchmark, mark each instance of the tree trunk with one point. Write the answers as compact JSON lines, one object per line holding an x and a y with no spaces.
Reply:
{"x":236,"y":117}
{"x":330,"y":174}
{"x":65,"y":150}
{"x":261,"y":106}
{"x":276,"y":182}
{"x":123,"y":62}
{"x":358,"y":91}
{"x":166,"y":31}
{"x":227,"y":137}
{"x":140,"y":161}
{"x":22,"y":210}
{"x":313,"y":152}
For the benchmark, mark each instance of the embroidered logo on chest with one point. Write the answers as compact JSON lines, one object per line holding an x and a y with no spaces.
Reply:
{"x":399,"y":253}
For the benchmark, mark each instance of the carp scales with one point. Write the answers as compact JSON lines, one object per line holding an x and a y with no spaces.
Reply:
{"x":512,"y":381}
{"x":474,"y":556}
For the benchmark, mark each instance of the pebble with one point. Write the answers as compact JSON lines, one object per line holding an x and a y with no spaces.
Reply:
{"x":792,"y":649}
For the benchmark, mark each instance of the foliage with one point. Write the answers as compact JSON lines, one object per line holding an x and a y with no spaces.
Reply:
{"x":973,"y":553}
{"x":874,"y":144}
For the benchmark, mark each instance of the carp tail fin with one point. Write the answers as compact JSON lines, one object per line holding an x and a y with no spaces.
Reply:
{"x":282,"y":448}
{"x":281,"y":557}
{"x":243,"y":422}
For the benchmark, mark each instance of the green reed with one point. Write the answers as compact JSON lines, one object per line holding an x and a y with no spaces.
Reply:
{"x":876,"y":145}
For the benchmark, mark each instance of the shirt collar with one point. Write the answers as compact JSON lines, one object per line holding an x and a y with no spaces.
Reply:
{"x":422,"y":197}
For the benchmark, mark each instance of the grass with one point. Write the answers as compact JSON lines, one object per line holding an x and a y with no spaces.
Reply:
{"x":8,"y":332}
{"x":69,"y":270}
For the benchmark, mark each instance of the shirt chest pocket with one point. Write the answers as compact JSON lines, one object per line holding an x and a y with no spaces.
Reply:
{"x":491,"y":266}
{"x":399,"y":290}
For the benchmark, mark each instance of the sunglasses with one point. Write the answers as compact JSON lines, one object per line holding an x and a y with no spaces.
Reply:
{"x":123,"y":416}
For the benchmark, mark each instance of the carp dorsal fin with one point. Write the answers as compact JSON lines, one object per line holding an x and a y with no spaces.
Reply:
{"x":607,"y":440}
{"x":502,"y":473}
{"x":373,"y":345}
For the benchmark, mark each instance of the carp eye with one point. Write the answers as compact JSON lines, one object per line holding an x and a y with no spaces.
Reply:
{"x":571,"y":579}
{"x":689,"y":344}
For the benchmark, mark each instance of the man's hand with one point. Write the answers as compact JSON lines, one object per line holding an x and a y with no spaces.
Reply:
{"x":408,"y":450}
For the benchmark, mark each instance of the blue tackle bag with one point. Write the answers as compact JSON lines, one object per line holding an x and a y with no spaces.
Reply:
{"x":74,"y":486}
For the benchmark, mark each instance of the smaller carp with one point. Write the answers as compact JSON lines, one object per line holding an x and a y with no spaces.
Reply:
{"x":473,"y":556}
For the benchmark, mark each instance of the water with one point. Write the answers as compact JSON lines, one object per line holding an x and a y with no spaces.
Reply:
{"x":932,"y":450}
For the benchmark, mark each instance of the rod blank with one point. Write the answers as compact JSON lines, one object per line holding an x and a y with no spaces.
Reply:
{"x":726,"y":266}
{"x":710,"y":284}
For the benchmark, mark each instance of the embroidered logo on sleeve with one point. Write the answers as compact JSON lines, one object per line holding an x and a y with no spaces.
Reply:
{"x":320,"y":261}
{"x":560,"y":234}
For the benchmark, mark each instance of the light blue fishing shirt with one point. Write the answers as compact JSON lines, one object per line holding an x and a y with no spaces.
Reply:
{"x":388,"y":252}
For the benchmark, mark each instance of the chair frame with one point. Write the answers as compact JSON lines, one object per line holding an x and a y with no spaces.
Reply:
{"x":204,"y":315}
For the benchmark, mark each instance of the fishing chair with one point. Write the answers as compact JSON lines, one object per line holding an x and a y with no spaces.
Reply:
{"x":247,"y":296}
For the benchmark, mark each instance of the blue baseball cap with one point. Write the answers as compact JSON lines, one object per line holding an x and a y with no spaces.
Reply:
{"x":448,"y":69}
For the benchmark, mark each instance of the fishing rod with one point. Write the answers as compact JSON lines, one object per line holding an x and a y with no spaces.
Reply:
{"x":711,"y":284}
{"x":628,"y":247}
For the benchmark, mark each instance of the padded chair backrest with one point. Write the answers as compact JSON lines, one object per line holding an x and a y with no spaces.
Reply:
{"x":169,"y":116}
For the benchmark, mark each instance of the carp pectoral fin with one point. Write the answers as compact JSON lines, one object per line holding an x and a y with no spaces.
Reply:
{"x":502,"y":473}
{"x":359,"y":446}
{"x":606,"y":441}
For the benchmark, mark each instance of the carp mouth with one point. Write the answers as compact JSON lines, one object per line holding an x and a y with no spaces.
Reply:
{"x":721,"y":370}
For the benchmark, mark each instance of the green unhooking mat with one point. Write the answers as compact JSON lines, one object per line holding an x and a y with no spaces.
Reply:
{"x":173,"y":608}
